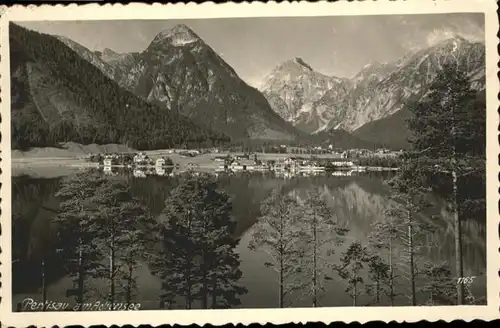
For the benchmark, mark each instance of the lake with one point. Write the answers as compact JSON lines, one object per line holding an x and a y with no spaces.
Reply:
{"x":357,"y":201}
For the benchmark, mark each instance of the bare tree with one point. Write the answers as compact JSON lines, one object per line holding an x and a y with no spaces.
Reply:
{"x":277,"y":233}
{"x":322,"y":236}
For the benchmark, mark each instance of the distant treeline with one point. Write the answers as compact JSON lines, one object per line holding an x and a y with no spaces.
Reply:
{"x":379,"y":161}
{"x":68,"y":88}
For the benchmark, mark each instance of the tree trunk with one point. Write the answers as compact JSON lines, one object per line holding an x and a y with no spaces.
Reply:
{"x":355,"y":291}
{"x":44,"y":289}
{"x":391,"y":274}
{"x":281,"y":292}
{"x":188,"y":288}
{"x":458,"y":242}
{"x":111,"y":274}
{"x":204,"y":293}
{"x":214,"y":292}
{"x":205,"y":266}
{"x":410,"y":253}
{"x":81,"y":273}
{"x":281,"y":255}
{"x":315,"y":289}
{"x":81,"y":269}
{"x":189,"y":264}
{"x":128,"y":296}
{"x":377,"y":289}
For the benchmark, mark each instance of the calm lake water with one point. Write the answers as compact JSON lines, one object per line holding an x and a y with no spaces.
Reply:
{"x":356,"y":200}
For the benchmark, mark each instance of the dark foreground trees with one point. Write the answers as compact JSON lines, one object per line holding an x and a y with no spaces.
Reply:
{"x":123,"y":230}
{"x":76,"y":231}
{"x":447,"y":158}
{"x":448,"y":147}
{"x":102,"y":229}
{"x":196,"y":258}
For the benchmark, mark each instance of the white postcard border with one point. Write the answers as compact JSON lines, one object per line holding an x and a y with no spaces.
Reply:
{"x":247,"y":316}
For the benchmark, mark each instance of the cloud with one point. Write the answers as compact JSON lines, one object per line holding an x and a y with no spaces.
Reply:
{"x":438,"y":36}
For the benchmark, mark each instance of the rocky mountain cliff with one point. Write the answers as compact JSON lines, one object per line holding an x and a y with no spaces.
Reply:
{"x":89,"y":56}
{"x":120,"y":62}
{"x":180,"y":71}
{"x":381,"y":90}
{"x":293,"y":87}
{"x":112,"y":64}
{"x":314,"y":102}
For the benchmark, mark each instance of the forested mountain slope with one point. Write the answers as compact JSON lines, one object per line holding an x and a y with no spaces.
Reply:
{"x":58,"y":96}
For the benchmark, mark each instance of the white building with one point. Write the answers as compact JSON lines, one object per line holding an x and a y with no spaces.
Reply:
{"x":342,"y":163}
{"x":139,"y":174}
{"x":140,"y":158}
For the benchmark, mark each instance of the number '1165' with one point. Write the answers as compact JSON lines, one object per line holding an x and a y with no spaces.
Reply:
{"x":466,"y":280}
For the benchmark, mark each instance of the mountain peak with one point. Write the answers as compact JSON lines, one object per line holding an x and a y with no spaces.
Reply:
{"x":295,"y":64}
{"x":109,"y":52}
{"x":181,"y":28}
{"x":452,"y":43}
{"x":179,"y":35}
{"x":455,"y":38}
{"x":301,"y":62}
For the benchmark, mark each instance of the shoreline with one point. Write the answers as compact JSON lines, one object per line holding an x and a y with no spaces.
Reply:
{"x":62,"y":167}
{"x":54,"y":161}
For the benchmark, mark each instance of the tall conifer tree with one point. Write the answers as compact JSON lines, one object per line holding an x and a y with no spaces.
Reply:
{"x":448,"y":144}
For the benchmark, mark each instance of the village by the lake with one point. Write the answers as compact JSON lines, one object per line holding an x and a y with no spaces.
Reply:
{"x":286,"y":159}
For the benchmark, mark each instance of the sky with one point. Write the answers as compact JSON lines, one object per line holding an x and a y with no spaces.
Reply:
{"x":335,"y":45}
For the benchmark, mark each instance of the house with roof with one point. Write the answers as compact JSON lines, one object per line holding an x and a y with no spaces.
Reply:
{"x":160,"y":162}
{"x":140,"y":159}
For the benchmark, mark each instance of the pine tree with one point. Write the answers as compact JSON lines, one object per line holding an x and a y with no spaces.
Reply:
{"x":196,"y":259}
{"x":439,"y":283}
{"x":380,"y":275}
{"x":409,"y":199}
{"x":218,"y":251}
{"x":352,"y":263}
{"x":132,"y":244}
{"x":448,"y":126}
{"x":384,"y":235}
{"x":278,"y":234}
{"x":123,"y":222}
{"x":322,"y":235}
{"x":77,"y":230}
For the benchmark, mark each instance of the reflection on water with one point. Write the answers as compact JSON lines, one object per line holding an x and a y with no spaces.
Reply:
{"x":357,"y":200}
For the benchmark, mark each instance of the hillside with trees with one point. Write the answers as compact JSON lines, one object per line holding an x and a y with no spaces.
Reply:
{"x":57,"y":97}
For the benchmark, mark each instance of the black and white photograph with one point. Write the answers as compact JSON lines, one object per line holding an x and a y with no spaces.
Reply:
{"x":248,"y":162}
